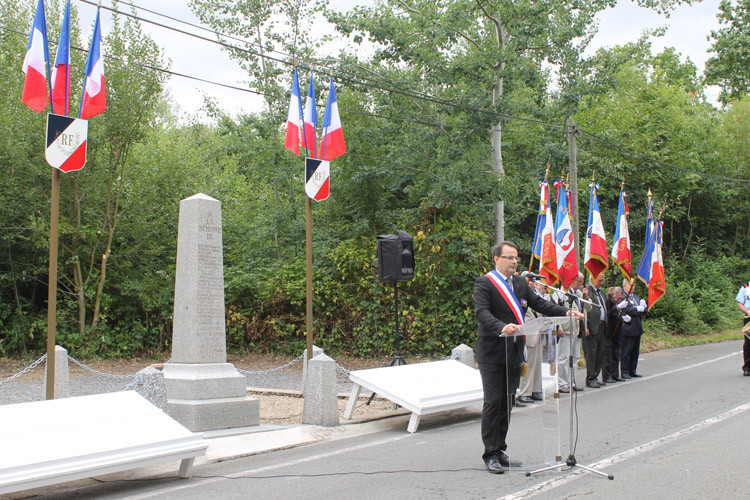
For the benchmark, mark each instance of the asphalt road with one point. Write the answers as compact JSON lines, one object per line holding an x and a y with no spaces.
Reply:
{"x":681,"y":431}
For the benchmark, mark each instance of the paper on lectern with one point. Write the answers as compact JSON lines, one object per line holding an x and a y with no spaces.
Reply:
{"x":532,"y":327}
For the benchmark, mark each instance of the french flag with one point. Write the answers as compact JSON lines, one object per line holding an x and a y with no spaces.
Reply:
{"x":536,"y":248}
{"x":61,"y":71}
{"x":333,"y":144}
{"x":621,"y":247}
{"x":294,"y":118}
{"x":657,"y":284}
{"x":595,"y":258}
{"x":36,"y":63}
{"x":567,"y":261}
{"x":94,"y":95}
{"x":311,"y":119}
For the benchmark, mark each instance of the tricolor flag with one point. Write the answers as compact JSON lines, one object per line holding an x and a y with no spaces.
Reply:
{"x":332,"y":144}
{"x":311,"y":119}
{"x":547,"y":254}
{"x":657,"y":285}
{"x":294,"y":118}
{"x":536,"y":248}
{"x":94,"y":95}
{"x":60,"y":80}
{"x":567,"y":262}
{"x":36,"y":63}
{"x":649,"y":253}
{"x":621,"y":246}
{"x":595,"y":258}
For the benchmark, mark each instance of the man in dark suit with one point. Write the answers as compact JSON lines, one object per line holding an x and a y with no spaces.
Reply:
{"x":628,"y":318}
{"x":500,"y":300}
{"x":594,"y":337}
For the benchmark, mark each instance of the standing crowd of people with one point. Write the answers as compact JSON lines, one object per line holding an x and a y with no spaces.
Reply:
{"x":610,"y":335}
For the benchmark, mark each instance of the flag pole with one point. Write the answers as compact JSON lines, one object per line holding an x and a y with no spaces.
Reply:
{"x":308,"y":275}
{"x":52,"y":285}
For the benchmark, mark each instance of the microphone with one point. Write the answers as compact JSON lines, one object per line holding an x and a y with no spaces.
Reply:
{"x":532,"y":276}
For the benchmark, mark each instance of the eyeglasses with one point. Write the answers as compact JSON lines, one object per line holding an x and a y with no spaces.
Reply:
{"x":509,"y":257}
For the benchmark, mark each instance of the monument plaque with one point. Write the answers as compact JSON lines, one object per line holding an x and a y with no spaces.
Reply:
{"x":204,"y":391}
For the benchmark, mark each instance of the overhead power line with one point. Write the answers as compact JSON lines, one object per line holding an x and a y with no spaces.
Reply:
{"x":365,"y":82}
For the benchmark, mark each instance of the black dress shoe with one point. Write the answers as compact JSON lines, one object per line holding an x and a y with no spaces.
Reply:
{"x":537,"y":396}
{"x":507,"y":462}
{"x":610,"y":381}
{"x":635,"y":375}
{"x":494,"y":466}
{"x":616,"y":379}
{"x":747,"y":373}
{"x":593,"y":384}
{"x":517,"y":403}
{"x":625,"y":376}
{"x":525,"y":400}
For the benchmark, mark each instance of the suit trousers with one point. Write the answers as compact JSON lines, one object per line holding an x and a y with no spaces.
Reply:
{"x":564,"y":352}
{"x":496,"y":409}
{"x":746,"y":350}
{"x":593,"y":351}
{"x":629,"y":350}
{"x":611,"y":365}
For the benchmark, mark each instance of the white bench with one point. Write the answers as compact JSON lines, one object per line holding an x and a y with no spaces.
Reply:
{"x":421,"y":388}
{"x":50,"y":442}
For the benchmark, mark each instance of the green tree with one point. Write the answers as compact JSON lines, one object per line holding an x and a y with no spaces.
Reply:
{"x":730,"y":67}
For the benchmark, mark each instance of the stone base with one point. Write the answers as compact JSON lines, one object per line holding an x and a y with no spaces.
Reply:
{"x":203,"y":381}
{"x":213,"y":414}
{"x":209,"y":396}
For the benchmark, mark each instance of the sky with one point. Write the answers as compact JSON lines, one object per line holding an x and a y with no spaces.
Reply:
{"x":687,"y":30}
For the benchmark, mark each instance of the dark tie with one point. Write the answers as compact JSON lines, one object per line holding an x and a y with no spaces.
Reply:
{"x":602,"y":303}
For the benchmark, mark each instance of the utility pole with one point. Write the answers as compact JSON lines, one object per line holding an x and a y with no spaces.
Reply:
{"x":573,"y":168}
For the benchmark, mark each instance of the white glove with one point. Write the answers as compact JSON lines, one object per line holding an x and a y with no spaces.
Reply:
{"x":642,"y":303}
{"x":626,"y":318}
{"x":640,"y":307}
{"x":623,"y":304}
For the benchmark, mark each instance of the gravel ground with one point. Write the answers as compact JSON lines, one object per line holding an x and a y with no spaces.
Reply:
{"x":277,"y":389}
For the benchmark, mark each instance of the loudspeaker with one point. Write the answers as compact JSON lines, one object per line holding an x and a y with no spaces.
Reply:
{"x":395,"y":257}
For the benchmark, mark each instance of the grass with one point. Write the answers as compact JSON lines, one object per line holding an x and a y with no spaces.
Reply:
{"x":655,"y":341}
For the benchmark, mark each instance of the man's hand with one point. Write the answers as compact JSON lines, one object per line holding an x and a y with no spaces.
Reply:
{"x":585,"y":292}
{"x":510,"y":329}
{"x":575,"y":314}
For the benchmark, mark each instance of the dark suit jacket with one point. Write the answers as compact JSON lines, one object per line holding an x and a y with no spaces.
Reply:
{"x":594,"y":319}
{"x":625,"y":329}
{"x":493,"y":313}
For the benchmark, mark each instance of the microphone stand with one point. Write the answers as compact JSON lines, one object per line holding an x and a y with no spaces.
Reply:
{"x":571,"y":460}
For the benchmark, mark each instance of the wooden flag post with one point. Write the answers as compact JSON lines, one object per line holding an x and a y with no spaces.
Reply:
{"x":54,"y":228}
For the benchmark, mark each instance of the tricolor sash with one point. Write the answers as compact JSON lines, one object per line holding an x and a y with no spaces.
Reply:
{"x":506,"y":292}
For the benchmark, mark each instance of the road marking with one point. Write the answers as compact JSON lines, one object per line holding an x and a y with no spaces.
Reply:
{"x":236,"y":475}
{"x":670,"y":372}
{"x":625,"y":455}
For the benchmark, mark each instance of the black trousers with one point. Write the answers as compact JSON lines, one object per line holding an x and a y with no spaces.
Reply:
{"x":593,"y":351}
{"x":611,"y":365}
{"x":497,"y":386}
{"x":746,"y":350}
{"x":629,"y":350}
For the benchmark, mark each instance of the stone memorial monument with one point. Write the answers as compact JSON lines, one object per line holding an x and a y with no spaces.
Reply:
{"x":204,"y":391}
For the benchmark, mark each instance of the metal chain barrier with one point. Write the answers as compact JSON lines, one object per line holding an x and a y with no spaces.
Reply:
{"x":25,"y":370}
{"x":97,"y":372}
{"x":270,"y":370}
{"x":341,"y":370}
